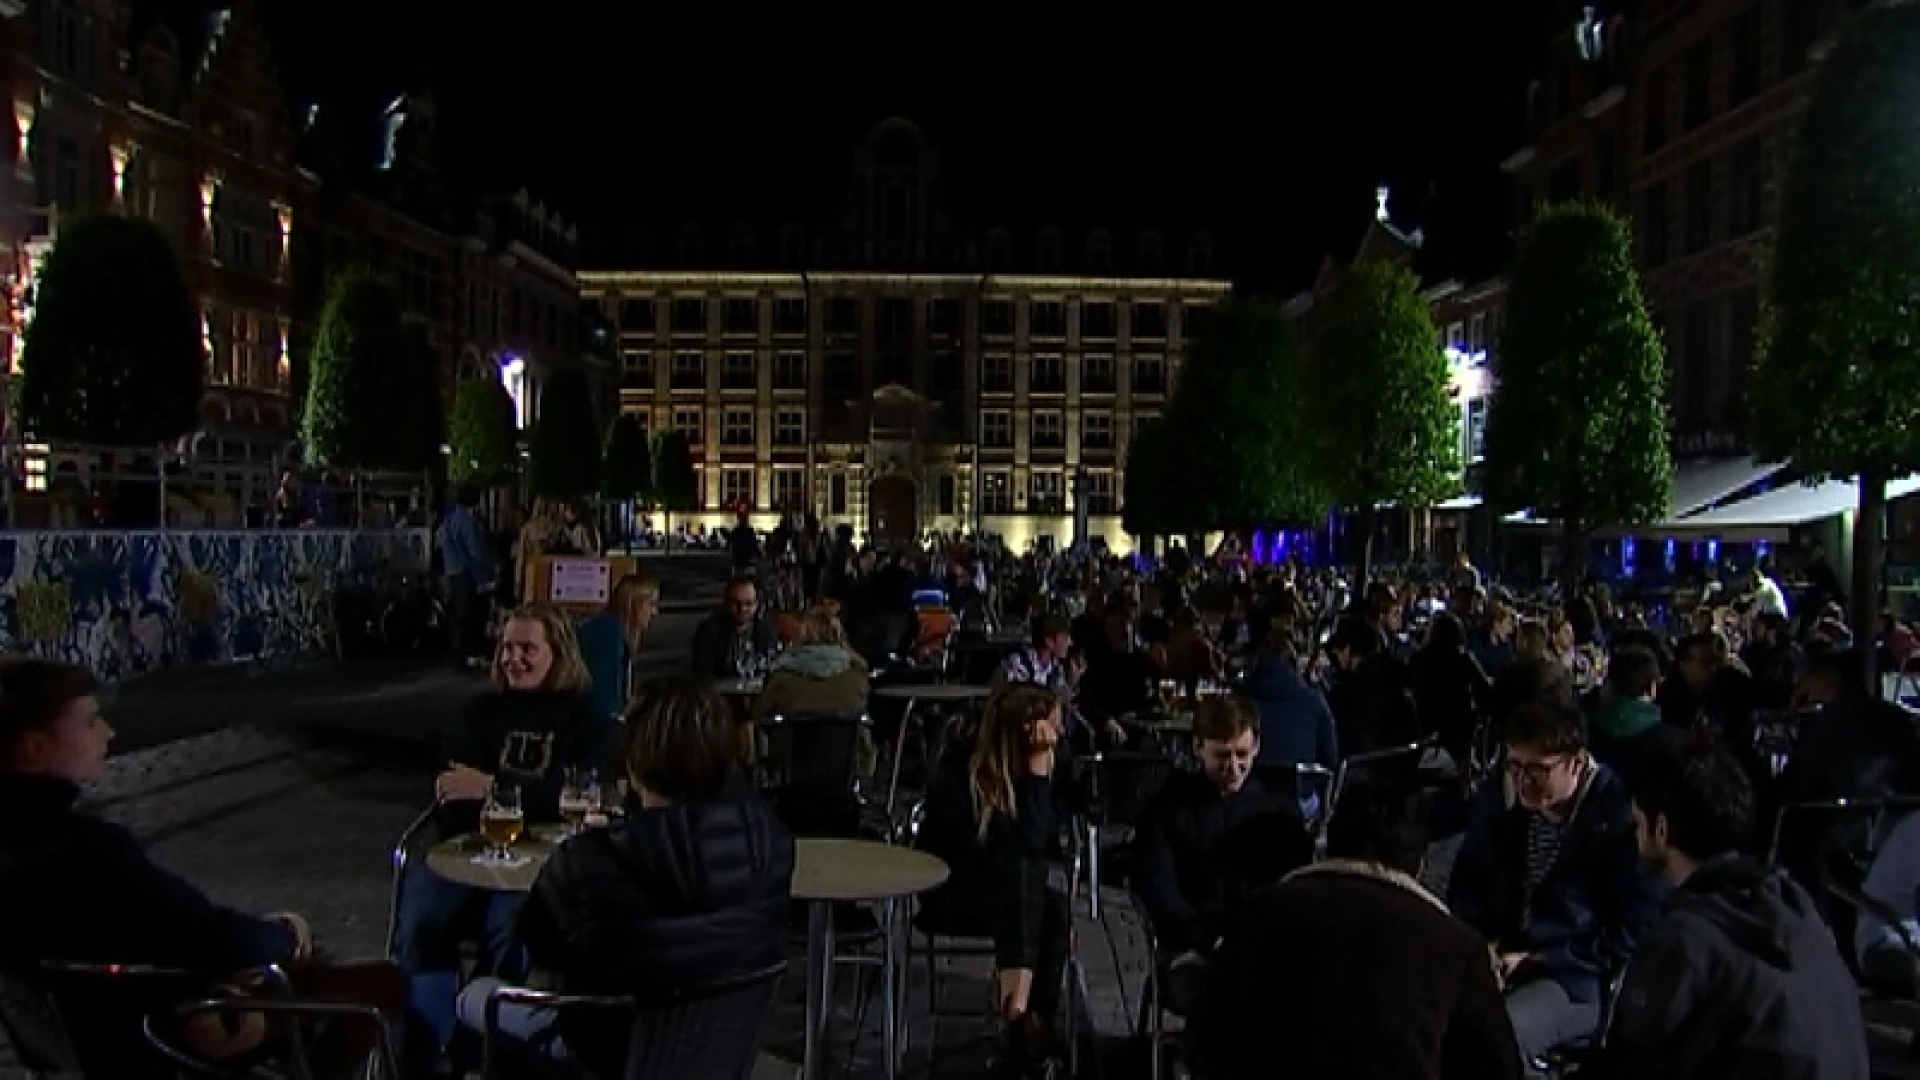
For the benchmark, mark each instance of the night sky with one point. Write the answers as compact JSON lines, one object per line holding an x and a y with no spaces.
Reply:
{"x":1283,"y":115}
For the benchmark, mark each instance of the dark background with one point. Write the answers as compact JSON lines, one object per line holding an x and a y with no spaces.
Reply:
{"x":1274,"y":120}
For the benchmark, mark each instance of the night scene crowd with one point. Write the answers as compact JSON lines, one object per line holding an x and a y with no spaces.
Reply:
{"x":1673,"y":846}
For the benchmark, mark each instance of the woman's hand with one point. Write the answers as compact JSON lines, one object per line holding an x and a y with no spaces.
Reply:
{"x":462,"y":783}
{"x":302,"y":934}
{"x":1040,"y":743}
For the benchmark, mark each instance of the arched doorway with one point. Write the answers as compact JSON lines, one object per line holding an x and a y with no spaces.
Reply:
{"x":893,"y":510}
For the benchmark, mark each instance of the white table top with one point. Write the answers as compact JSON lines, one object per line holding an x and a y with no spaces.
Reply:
{"x":828,"y":869}
{"x":935,"y":692}
{"x":453,"y":860}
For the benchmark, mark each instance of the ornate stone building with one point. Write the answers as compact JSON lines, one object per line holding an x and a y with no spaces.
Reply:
{"x":903,"y":368}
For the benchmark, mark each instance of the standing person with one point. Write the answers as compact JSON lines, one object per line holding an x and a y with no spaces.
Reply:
{"x":466,"y":570}
{"x":1739,"y":977}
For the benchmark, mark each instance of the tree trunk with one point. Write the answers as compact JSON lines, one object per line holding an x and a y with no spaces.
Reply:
{"x":1369,"y":525}
{"x":1869,"y":529}
{"x":1573,"y":555}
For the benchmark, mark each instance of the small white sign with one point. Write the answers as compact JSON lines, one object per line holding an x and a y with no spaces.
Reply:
{"x":578,"y":581}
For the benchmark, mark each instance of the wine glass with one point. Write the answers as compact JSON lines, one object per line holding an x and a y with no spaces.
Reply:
{"x":501,"y":821}
{"x":579,"y":797}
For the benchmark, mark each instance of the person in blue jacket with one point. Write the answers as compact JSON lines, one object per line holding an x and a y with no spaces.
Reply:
{"x":1550,"y":873}
{"x":610,"y":639}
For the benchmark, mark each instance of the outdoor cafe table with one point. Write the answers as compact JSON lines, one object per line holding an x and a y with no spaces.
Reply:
{"x":830,"y":871}
{"x":913,"y":696}
{"x":453,"y":860}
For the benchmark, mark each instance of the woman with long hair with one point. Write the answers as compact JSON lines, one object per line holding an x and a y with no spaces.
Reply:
{"x":534,"y":723}
{"x":990,"y":816}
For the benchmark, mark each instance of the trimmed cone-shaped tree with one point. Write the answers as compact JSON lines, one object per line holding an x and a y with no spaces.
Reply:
{"x":1384,"y":428}
{"x":114,"y":355}
{"x":1237,"y":423}
{"x":563,"y":456}
{"x":1148,"y":491}
{"x":627,"y":470}
{"x":1577,"y":431}
{"x":482,"y":439}
{"x":372,"y":391}
{"x":1832,"y":380}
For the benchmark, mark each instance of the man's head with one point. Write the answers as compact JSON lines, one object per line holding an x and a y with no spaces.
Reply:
{"x":682,"y":745}
{"x":1633,"y":674}
{"x":1380,"y":823}
{"x":1352,"y":642}
{"x":1546,"y":753}
{"x":50,"y":722}
{"x":1699,"y":657}
{"x":742,"y":601}
{"x":1226,"y":737}
{"x":1690,"y":807}
{"x":1052,"y":636}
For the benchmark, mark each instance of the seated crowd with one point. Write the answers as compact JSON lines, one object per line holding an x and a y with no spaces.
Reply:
{"x":1620,"y":902}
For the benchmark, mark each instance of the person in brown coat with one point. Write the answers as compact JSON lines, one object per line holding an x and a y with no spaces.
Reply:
{"x":819,"y":673}
{"x":1349,"y":969}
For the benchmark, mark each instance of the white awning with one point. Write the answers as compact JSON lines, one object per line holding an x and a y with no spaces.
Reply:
{"x":1459,"y":502}
{"x":1795,"y":504}
{"x":1699,"y":484}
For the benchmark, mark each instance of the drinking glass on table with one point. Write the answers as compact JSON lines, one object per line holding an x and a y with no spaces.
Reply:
{"x":502,"y":821}
{"x":579,"y":797}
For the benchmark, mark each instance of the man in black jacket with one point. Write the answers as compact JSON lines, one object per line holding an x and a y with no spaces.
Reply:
{"x":1739,"y":977}
{"x":731,"y":634}
{"x":76,"y":888}
{"x":1207,"y":839}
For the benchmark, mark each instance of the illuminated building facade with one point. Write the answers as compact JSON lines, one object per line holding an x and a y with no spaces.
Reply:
{"x":1682,"y":115}
{"x":182,"y":122}
{"x":901,"y":372}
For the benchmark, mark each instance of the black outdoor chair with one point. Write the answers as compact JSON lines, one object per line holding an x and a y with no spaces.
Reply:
{"x":711,"y":1032}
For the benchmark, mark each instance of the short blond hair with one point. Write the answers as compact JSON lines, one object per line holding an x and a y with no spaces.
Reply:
{"x":569,"y":670}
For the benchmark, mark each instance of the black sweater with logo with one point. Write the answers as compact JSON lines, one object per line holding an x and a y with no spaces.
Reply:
{"x":530,"y":737}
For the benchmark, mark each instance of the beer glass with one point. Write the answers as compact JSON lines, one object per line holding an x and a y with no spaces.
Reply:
{"x":501,"y":821}
{"x":579,"y":797}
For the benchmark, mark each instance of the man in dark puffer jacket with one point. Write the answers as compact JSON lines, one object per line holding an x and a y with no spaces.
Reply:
{"x":690,"y":888}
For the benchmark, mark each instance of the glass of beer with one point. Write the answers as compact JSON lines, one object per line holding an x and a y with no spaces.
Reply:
{"x":501,"y":821}
{"x":579,"y":797}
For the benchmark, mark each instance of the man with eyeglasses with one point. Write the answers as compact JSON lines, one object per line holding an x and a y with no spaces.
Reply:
{"x":1550,"y":873}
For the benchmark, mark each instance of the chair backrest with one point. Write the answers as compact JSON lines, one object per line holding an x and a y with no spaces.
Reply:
{"x":1122,"y":782}
{"x":32,"y":1026}
{"x":817,"y":796}
{"x":711,"y":1032}
{"x":421,"y":832}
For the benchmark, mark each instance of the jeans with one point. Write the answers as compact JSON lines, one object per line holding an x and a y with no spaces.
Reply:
{"x":1545,"y":1018}
{"x":529,"y":1035}
{"x":435,"y":916}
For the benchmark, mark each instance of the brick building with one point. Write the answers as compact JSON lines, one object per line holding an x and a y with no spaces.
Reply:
{"x":181,"y":121}
{"x":1682,"y":114}
{"x":902,"y":368}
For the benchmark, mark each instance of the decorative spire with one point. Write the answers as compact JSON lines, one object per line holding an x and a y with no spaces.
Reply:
{"x":1380,"y":196}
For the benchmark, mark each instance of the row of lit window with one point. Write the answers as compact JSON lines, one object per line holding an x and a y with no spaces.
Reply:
{"x":894,"y":316}
{"x":1046,"y":373}
{"x":1047,"y":491}
{"x":1046,"y":429}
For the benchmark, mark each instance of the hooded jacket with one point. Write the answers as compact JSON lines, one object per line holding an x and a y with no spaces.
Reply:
{"x":1296,"y":726}
{"x":819,"y":677}
{"x":1739,"y":978}
{"x":672,"y":897}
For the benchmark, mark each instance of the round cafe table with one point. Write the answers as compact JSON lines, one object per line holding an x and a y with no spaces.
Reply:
{"x":913,"y":696}
{"x":829,"y":871}
{"x":454,"y":861}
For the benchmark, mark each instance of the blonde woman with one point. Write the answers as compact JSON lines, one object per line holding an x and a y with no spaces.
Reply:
{"x":534,"y":722}
{"x":610,"y":640}
{"x":990,"y":816}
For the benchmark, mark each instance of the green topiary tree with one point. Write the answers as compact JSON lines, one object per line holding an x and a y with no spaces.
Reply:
{"x":482,"y":440}
{"x":114,"y":355}
{"x":1237,"y":422}
{"x":1577,"y":429}
{"x":563,"y":456}
{"x":1385,"y":428}
{"x":1832,"y":377}
{"x":373,"y":395}
{"x":1149,"y":489}
{"x":626,"y":473}
{"x":676,"y":486}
